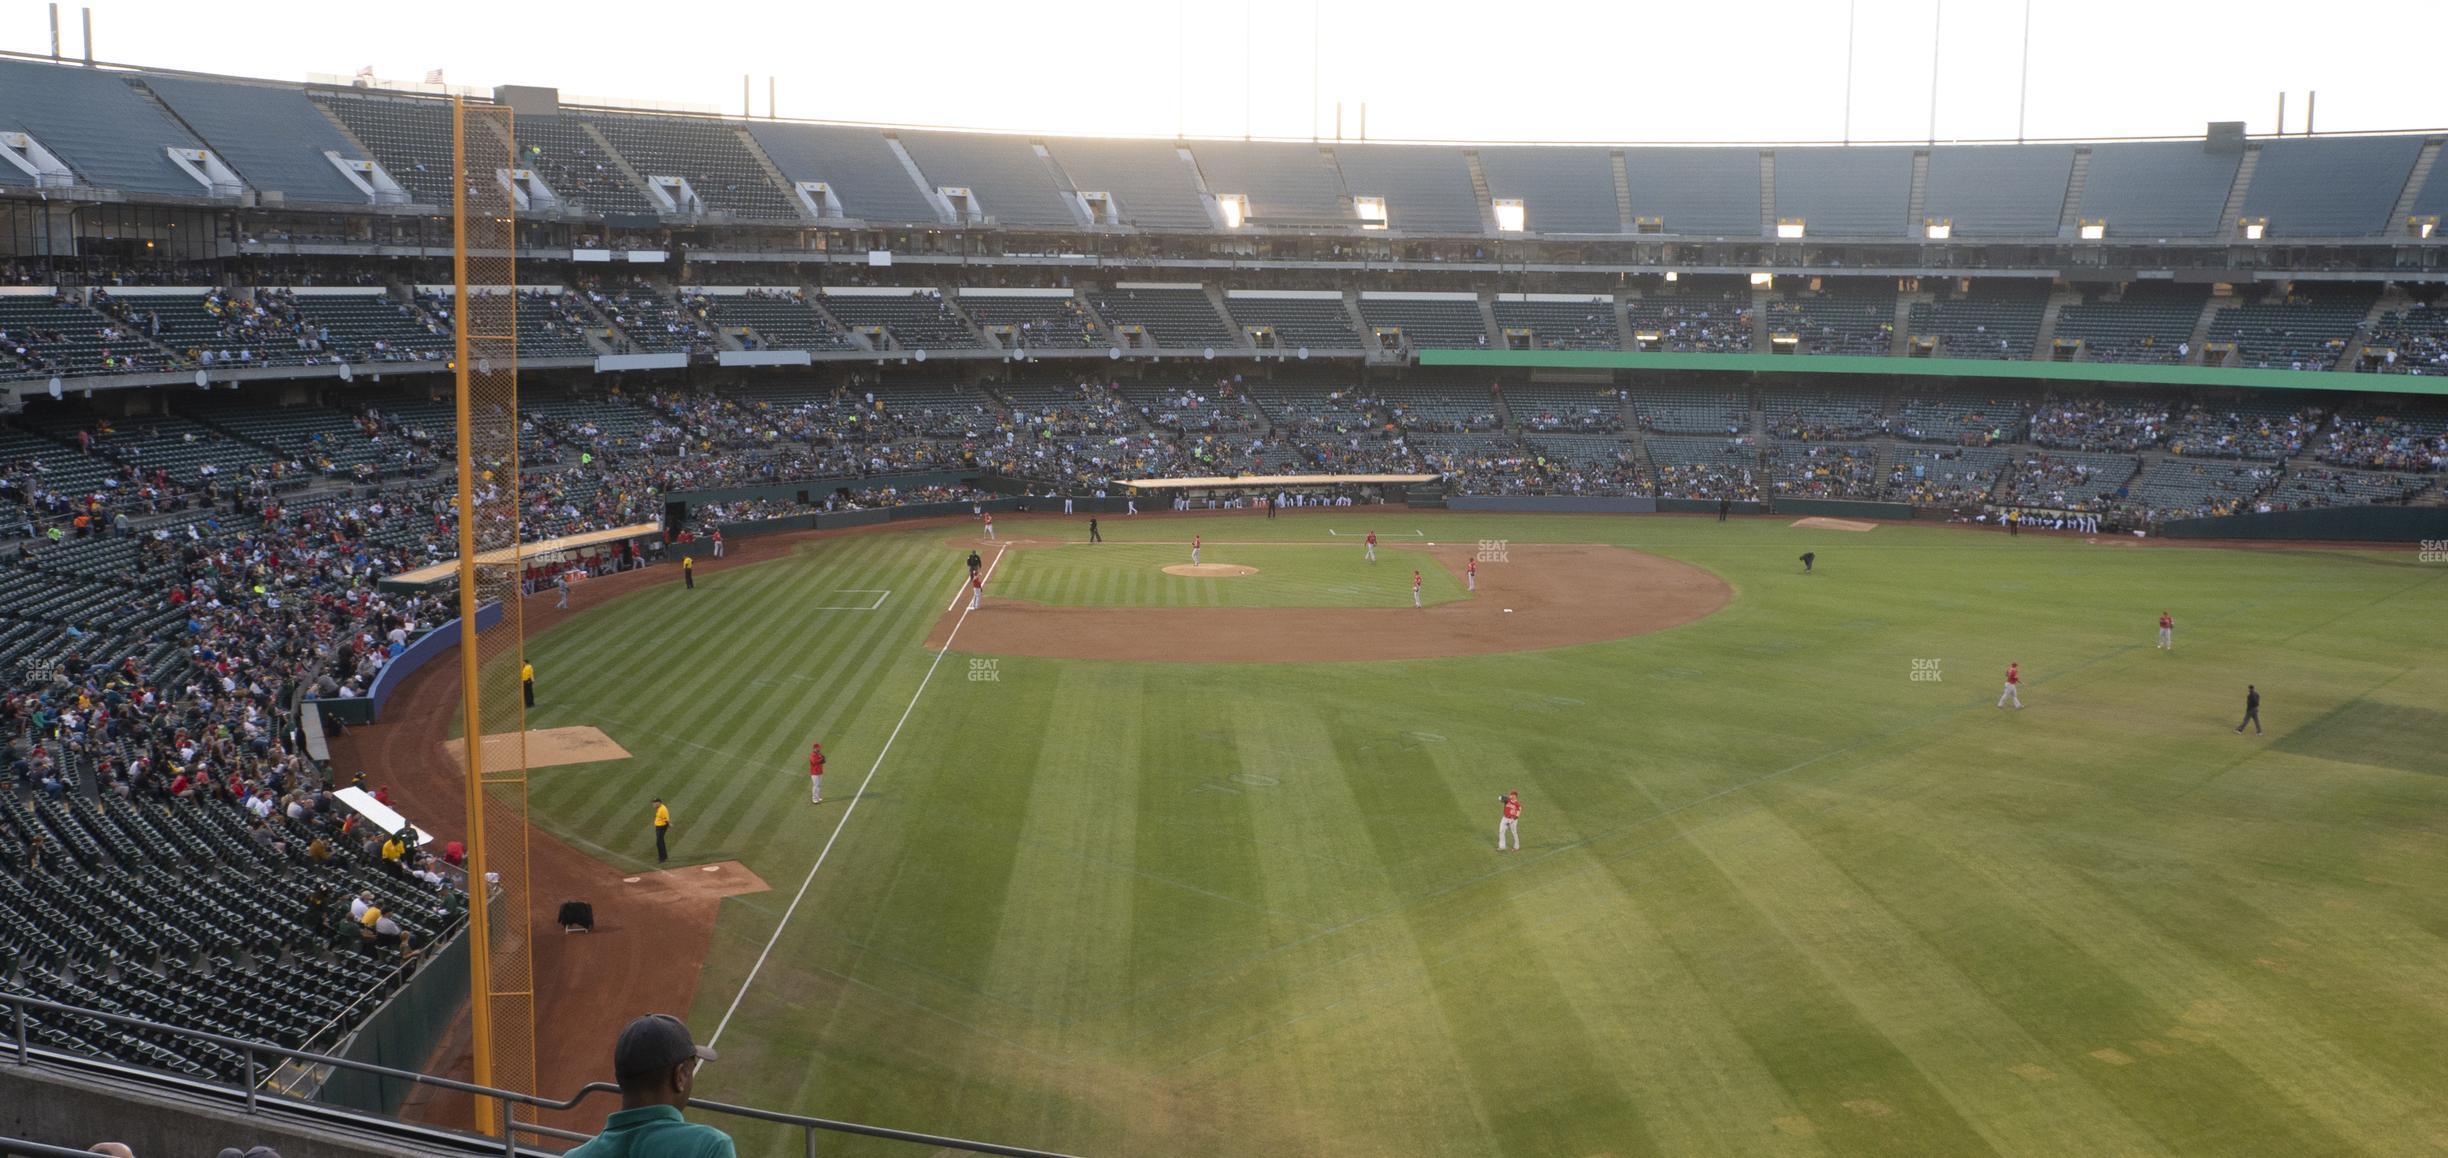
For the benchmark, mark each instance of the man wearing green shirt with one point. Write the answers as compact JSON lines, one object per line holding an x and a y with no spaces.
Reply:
{"x":655,"y":1062}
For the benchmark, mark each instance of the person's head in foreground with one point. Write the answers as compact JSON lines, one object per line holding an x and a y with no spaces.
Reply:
{"x":655,"y":1062}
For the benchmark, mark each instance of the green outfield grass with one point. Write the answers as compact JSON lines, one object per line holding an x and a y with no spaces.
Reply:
{"x":1779,"y":896}
{"x":1124,"y":574}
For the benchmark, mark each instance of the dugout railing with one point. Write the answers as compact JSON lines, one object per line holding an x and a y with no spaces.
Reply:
{"x":252,"y":1098}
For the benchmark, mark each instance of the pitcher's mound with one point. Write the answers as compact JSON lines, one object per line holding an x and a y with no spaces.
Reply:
{"x":1209,"y":570}
{"x":1835,"y":524}
{"x":545,"y":748}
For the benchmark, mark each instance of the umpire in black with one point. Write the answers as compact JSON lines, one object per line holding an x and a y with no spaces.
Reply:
{"x":974,"y":564}
{"x":2252,"y":710}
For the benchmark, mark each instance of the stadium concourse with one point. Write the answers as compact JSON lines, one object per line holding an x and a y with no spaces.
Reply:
{"x":219,"y":441}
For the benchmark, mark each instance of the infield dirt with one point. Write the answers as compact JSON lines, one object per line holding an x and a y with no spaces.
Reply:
{"x":1542,"y":596}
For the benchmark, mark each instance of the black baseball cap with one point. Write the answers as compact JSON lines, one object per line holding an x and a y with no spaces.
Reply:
{"x":653,"y":1043}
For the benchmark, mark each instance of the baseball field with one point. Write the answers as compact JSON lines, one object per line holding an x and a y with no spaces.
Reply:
{"x":1092,"y":874}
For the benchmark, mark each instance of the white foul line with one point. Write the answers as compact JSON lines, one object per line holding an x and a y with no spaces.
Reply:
{"x":881,"y":594}
{"x":844,"y":822}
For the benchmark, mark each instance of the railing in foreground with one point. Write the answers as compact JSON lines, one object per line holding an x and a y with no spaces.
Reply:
{"x":255,"y":1100}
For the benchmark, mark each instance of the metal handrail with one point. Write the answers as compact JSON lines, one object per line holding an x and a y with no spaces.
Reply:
{"x":255,"y":1052}
{"x":40,"y":1149}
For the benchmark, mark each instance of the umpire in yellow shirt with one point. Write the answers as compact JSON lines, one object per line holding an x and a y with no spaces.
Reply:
{"x":527,"y":681}
{"x":662,"y":825}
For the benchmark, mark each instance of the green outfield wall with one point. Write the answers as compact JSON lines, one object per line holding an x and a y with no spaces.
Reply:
{"x":2109,"y":373}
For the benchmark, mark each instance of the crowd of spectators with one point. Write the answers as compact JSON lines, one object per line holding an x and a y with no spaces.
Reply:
{"x":2058,"y":483}
{"x":1694,"y":325}
{"x":2102,"y":424}
{"x":1824,"y":471}
{"x":2230,"y":432}
{"x":1941,"y":477}
{"x":2387,"y":442}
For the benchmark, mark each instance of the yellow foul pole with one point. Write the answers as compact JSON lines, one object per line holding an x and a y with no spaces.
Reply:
{"x":480,"y":965}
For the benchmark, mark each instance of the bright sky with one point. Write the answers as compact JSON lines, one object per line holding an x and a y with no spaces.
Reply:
{"x":1474,"y":70}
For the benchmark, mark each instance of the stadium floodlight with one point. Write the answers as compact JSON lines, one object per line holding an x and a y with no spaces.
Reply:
{"x":1372,"y":211}
{"x":2255,"y":228}
{"x":1511,"y":217}
{"x":1938,"y":228}
{"x":2422,"y":227}
{"x":1234,"y":208}
{"x":1673,"y":276}
{"x":2092,"y":228}
{"x":1789,"y":229}
{"x":1763,"y":278}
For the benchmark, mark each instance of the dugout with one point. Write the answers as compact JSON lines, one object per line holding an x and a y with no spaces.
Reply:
{"x":1251,"y":490}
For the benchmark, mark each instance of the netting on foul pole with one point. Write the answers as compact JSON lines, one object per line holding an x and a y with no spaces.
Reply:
{"x":484,"y":274}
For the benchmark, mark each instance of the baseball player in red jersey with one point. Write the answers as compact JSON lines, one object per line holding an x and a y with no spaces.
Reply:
{"x":1372,"y":547}
{"x":1470,"y":575}
{"x":1510,"y":826}
{"x":816,"y":774}
{"x":1415,"y":586}
{"x":2167,"y":632}
{"x":1194,"y":549}
{"x":2014,"y":679}
{"x":977,"y":590}
{"x":990,"y":525}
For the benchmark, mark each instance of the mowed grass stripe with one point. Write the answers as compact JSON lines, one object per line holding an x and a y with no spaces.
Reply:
{"x":1228,"y":1030}
{"x":846,"y":662}
{"x":1955,"y":1036}
{"x":845,"y":670}
{"x":2211,"y":1000}
{"x":2088,"y":1005}
{"x":1074,"y":842}
{"x":695,"y":707}
{"x":1698,"y":1088}
{"x":1566,"y":1100}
